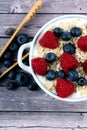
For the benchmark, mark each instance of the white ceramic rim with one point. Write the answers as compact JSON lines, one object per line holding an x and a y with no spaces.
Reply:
{"x":31,"y":56}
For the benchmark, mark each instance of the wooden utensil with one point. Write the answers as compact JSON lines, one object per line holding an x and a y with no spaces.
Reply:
{"x":28,"y":17}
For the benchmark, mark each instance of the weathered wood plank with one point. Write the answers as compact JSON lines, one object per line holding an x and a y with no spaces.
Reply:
{"x":57,"y":6}
{"x":51,"y":114}
{"x":3,"y":42}
{"x":31,"y":28}
{"x":37,"y":128}
{"x":40,"y":128}
{"x":44,"y":120}
{"x":24,"y":100}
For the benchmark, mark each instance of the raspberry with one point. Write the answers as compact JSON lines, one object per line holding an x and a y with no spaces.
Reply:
{"x":82,"y":43}
{"x":68,"y":62}
{"x":49,"y":40}
{"x":64,"y":88}
{"x":85,"y":66}
{"x":39,"y":65}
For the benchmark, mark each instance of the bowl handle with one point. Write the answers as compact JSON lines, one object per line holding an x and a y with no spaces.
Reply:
{"x":20,"y":52}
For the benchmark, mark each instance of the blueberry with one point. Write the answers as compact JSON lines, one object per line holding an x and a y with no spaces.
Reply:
{"x":61,"y":74}
{"x":70,"y":48}
{"x":10,"y":31}
{"x":7,"y":63}
{"x":21,"y":79}
{"x":26,"y":62}
{"x":0,"y":74}
{"x":13,"y":46}
{"x":76,"y":31}
{"x":1,"y":59}
{"x":51,"y":57}
{"x":73,"y":75}
{"x":50,"y":75}
{"x":7,"y":55}
{"x":66,"y":36}
{"x":32,"y":85}
{"x":25,"y":52}
{"x":81,"y":81}
{"x":11,"y":75}
{"x":57,"y":31}
{"x":11,"y":85}
{"x":22,"y":38}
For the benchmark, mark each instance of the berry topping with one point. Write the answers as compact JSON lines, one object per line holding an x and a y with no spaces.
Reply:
{"x":69,"y":48}
{"x":22,"y":38}
{"x":7,"y":55}
{"x":76,"y":31}
{"x":49,"y":40}
{"x":64,"y":88}
{"x":51,"y":57}
{"x":68,"y":62}
{"x":39,"y":65}
{"x":33,"y":85}
{"x":85,"y":66}
{"x":13,"y":46}
{"x":11,"y":85}
{"x":66,"y":36}
{"x":21,"y":79}
{"x":50,"y":75}
{"x":81,"y":81}
{"x":7,"y":63}
{"x":73,"y":75}
{"x":57,"y":32}
{"x":82,"y":43}
{"x":61,"y":74}
{"x":11,"y":75}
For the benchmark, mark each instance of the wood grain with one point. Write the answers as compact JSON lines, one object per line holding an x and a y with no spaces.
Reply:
{"x":2,"y":42}
{"x":31,"y":28}
{"x":53,"y":120}
{"x":36,"y":128}
{"x":26,"y":110}
{"x":24,"y":100}
{"x":57,"y":6}
{"x":43,"y":119}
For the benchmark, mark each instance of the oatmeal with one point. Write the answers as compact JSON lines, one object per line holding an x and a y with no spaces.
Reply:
{"x":66,"y":38}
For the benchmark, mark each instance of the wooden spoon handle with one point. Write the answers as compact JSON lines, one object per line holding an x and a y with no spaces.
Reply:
{"x":28,"y":17}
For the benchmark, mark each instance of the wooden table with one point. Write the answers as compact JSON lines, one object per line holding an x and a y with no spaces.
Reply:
{"x":26,"y":110}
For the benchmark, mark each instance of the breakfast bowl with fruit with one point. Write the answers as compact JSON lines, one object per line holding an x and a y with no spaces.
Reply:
{"x":58,"y":58}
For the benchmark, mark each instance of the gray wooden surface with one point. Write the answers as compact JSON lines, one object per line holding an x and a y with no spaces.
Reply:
{"x":26,"y":110}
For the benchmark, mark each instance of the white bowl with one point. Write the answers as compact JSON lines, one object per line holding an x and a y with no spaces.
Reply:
{"x":66,"y":18}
